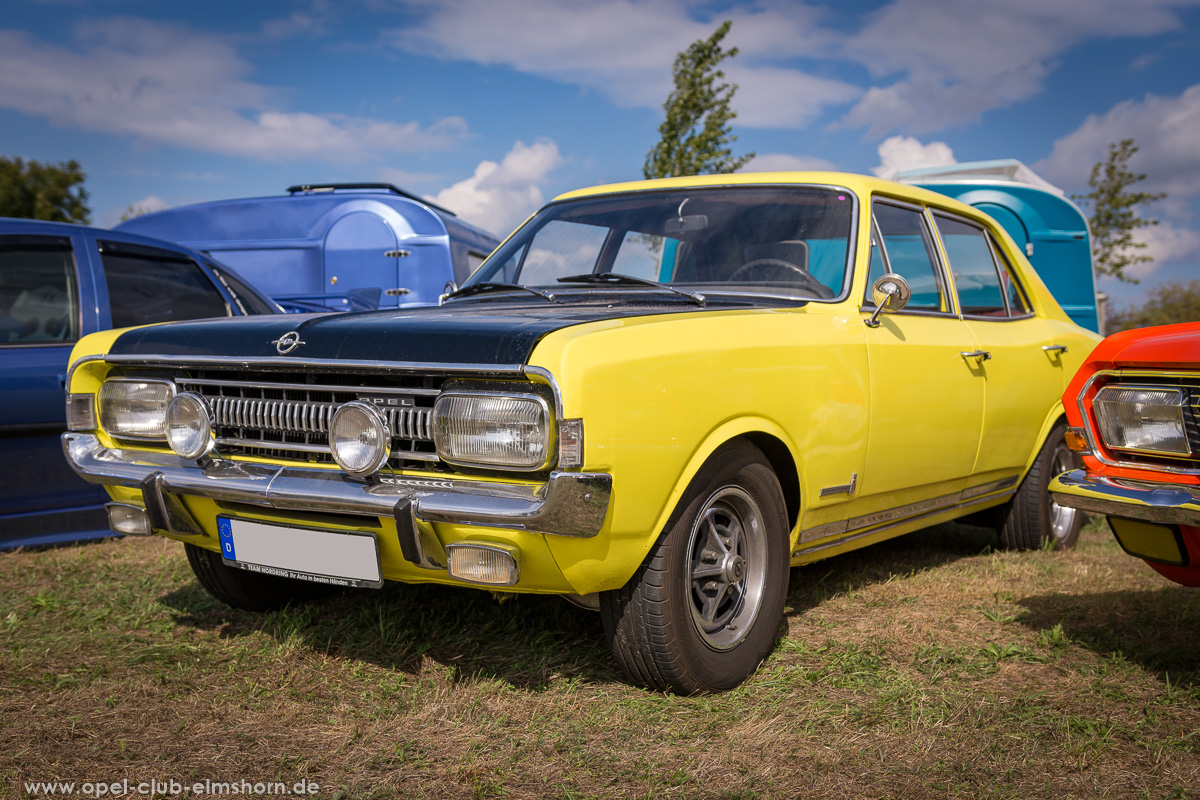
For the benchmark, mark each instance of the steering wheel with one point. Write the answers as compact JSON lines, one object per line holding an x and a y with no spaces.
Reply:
{"x":806,"y":280}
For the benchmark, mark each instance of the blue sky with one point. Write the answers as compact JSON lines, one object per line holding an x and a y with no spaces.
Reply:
{"x":492,"y":107}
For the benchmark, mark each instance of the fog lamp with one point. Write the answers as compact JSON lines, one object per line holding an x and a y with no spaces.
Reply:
{"x":359,"y":438}
{"x":135,"y":409}
{"x":190,"y":426}
{"x":505,"y":431}
{"x":127,"y":519}
{"x":492,"y":564}
{"x":1142,"y":418}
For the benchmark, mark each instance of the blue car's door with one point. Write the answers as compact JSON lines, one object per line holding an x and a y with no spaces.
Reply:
{"x":41,"y":316}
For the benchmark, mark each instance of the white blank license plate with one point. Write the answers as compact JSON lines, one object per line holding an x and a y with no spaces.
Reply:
{"x":343,"y":558}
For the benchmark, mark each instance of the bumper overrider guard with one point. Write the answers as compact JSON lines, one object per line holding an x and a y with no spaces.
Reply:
{"x":1167,"y":504}
{"x":567,"y":504}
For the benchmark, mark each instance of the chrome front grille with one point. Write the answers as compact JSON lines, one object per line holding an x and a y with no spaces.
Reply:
{"x":283,"y":417}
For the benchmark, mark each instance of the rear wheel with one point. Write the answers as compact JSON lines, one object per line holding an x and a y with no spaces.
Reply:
{"x":249,"y":591}
{"x":702,"y":611}
{"x":1032,"y":519}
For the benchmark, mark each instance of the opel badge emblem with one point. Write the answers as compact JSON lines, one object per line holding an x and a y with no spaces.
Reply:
{"x":287,"y":343}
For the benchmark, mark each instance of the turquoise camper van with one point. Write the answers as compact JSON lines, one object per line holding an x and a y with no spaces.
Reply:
{"x":1040,"y":218}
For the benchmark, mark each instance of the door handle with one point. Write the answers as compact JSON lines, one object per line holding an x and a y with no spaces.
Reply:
{"x":62,"y":379}
{"x":981,"y":355}
{"x":1055,"y":348}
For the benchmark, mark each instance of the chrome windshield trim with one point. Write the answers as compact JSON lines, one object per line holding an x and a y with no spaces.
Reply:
{"x":567,"y":504}
{"x":1093,"y":439}
{"x":851,"y":236}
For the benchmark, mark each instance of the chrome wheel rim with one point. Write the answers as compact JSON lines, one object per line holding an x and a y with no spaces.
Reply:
{"x":726,"y":567}
{"x":1062,"y":518}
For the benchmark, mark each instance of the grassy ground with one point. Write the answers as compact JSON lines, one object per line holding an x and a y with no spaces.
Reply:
{"x":927,"y":667}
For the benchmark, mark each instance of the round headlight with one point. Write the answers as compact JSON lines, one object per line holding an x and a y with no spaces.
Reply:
{"x":359,"y":438}
{"x":189,"y":426}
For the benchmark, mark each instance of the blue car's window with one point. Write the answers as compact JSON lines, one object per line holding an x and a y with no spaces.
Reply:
{"x":38,"y":298}
{"x":144,"y":287}
{"x":792,"y":242}
{"x":905,"y":246}
{"x":974,"y":270}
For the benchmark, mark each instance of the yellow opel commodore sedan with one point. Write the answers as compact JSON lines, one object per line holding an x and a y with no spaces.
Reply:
{"x":652,"y":399}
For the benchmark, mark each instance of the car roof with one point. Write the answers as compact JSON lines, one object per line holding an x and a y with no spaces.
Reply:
{"x":15,"y":225}
{"x":860,"y":184}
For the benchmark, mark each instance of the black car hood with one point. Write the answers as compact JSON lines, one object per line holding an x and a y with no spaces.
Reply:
{"x":483,"y":333}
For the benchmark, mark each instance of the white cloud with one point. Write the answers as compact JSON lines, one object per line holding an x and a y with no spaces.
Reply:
{"x":164,"y":84}
{"x":625,"y":48}
{"x":783,"y":162}
{"x":147,"y":205}
{"x":1165,"y":242}
{"x":954,"y":60}
{"x":500,"y":196}
{"x":1164,"y":129}
{"x":934,"y":63}
{"x":904,"y":152}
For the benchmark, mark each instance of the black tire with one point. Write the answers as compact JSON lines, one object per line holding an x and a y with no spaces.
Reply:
{"x":1032,"y":520}
{"x":249,"y":591}
{"x":703,"y":610}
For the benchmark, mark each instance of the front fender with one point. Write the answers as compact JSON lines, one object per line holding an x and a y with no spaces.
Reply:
{"x":605,"y":562}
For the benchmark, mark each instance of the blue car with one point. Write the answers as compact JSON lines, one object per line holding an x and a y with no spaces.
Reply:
{"x":59,"y":282}
{"x":333,"y":246}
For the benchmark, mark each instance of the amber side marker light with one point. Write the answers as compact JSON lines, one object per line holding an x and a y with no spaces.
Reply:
{"x":1076,"y":440}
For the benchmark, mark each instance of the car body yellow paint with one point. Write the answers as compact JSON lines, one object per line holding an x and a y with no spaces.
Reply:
{"x":873,"y":432}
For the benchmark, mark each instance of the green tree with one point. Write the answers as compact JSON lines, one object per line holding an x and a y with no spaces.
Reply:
{"x":1115,"y":214}
{"x":695,"y":136}
{"x":33,"y":190}
{"x":1167,"y":304}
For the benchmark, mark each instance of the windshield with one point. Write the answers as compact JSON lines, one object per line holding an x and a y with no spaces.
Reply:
{"x":787,"y":241}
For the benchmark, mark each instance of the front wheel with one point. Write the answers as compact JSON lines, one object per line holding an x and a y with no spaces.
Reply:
{"x":249,"y":591}
{"x":1032,"y":518}
{"x":702,"y":611}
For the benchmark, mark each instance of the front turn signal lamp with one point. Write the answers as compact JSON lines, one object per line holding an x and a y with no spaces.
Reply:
{"x":132,"y":409}
{"x":1142,"y":419}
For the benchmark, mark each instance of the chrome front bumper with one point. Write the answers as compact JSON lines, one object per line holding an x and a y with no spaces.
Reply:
{"x":567,"y":504}
{"x":1148,"y":501}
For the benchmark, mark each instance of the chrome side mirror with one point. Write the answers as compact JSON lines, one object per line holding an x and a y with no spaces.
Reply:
{"x":450,"y":288}
{"x":890,"y":293}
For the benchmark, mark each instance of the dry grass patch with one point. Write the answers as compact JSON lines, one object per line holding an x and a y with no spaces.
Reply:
{"x":930,"y":666}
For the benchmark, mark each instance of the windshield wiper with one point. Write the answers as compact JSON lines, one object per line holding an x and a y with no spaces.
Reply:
{"x":617,"y":279}
{"x":493,"y":286}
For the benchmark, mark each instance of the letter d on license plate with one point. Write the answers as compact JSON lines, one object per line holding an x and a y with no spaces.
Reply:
{"x":342,"y":558}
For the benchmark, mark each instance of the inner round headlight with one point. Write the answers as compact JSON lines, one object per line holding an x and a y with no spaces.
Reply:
{"x":359,"y":438}
{"x":189,"y":426}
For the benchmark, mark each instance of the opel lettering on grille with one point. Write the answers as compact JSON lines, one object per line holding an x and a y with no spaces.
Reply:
{"x":287,"y":343}
{"x":386,"y":401}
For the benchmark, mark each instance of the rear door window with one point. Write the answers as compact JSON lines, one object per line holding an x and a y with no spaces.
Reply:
{"x":147,"y":285}
{"x":973,"y":267}
{"x":39,"y":299}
